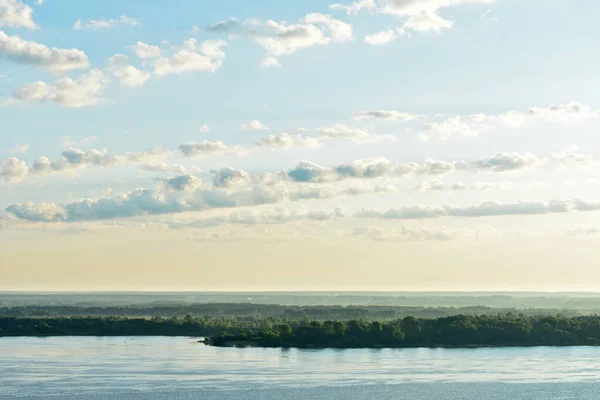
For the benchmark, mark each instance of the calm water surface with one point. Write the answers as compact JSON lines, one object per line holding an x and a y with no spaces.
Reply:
{"x":132,"y":368}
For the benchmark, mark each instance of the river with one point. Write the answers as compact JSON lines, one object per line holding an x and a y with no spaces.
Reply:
{"x":178,"y":368}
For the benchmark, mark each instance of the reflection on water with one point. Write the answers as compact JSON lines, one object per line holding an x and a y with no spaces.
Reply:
{"x":175,"y":368}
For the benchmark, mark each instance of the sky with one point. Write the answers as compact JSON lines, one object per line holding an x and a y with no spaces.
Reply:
{"x":299,"y":145}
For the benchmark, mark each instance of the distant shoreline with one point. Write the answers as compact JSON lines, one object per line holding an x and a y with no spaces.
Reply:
{"x":458,"y":331}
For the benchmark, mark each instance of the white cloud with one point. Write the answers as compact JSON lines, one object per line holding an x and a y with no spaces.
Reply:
{"x":208,"y":56}
{"x":82,"y":92}
{"x":182,"y":183}
{"x":343,"y":131}
{"x":27,"y":52}
{"x":406,"y":234}
{"x":254,"y":125}
{"x":416,"y":15}
{"x":287,"y":141}
{"x":16,"y":14}
{"x":271,"y":62}
{"x":383,"y":37}
{"x":355,"y":7}
{"x":163,"y":167}
{"x":205,"y":148}
{"x":280,"y":38}
{"x":486,"y":209}
{"x":508,"y":162}
{"x":427,"y":22}
{"x":146,"y":51}
{"x":231,"y":177}
{"x":127,"y":74}
{"x":103,"y":23}
{"x":204,"y":128}
{"x":13,"y":169}
{"x":384,"y":114}
{"x":278,"y":215}
{"x":20,"y":149}
{"x":461,"y":126}
{"x":473,"y":125}
{"x":150,"y":202}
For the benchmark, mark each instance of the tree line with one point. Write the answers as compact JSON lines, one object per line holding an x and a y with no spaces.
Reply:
{"x":460,"y":330}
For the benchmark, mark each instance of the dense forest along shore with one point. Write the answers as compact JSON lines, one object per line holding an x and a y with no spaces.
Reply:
{"x":454,"y":331}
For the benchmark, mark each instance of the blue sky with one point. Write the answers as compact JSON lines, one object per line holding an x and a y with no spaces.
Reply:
{"x":501,"y":92}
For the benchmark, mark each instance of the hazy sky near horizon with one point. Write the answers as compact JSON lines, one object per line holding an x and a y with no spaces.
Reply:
{"x":305,"y":145}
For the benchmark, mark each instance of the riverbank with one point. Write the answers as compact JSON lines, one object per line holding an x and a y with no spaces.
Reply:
{"x":507,"y":330}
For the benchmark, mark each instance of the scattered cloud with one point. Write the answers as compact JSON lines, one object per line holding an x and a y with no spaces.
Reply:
{"x":508,"y":162}
{"x":405,"y":234}
{"x":20,"y":149}
{"x":343,"y":131}
{"x":205,"y":148}
{"x":486,"y":209}
{"x":16,"y":14}
{"x":146,"y":51}
{"x":278,"y":215}
{"x":83,"y":92}
{"x":287,"y":141}
{"x":27,"y":52}
{"x":204,"y":128}
{"x":163,"y":167}
{"x":473,"y":125}
{"x":414,"y":15}
{"x":383,"y":37}
{"x":206,"y":56}
{"x":254,"y":125}
{"x":143,"y":202}
{"x":13,"y":169}
{"x":104,"y":23}
{"x":384,"y":114}
{"x":71,"y":159}
{"x":280,"y":38}
{"x":127,"y":74}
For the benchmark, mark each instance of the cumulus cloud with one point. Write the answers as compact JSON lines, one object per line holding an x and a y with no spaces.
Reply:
{"x":231,"y":177}
{"x":473,"y":125}
{"x":456,"y":126}
{"x":508,"y":162}
{"x":204,"y":128}
{"x":278,"y":215}
{"x":206,"y":56}
{"x":20,"y":149}
{"x":254,"y":125}
{"x":104,"y":23}
{"x":415,"y":15}
{"x":405,"y":234}
{"x":486,"y":209}
{"x":14,"y":169}
{"x":27,"y":52}
{"x":437,"y":185}
{"x":146,"y":51}
{"x":182,"y":183}
{"x":152,"y":202}
{"x":286,"y":141}
{"x":383,"y":114}
{"x":163,"y":167}
{"x":83,"y":92}
{"x":205,"y":148}
{"x":280,"y":38}
{"x":343,"y":131}
{"x":16,"y":14}
{"x":127,"y":74}
{"x":383,"y":37}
